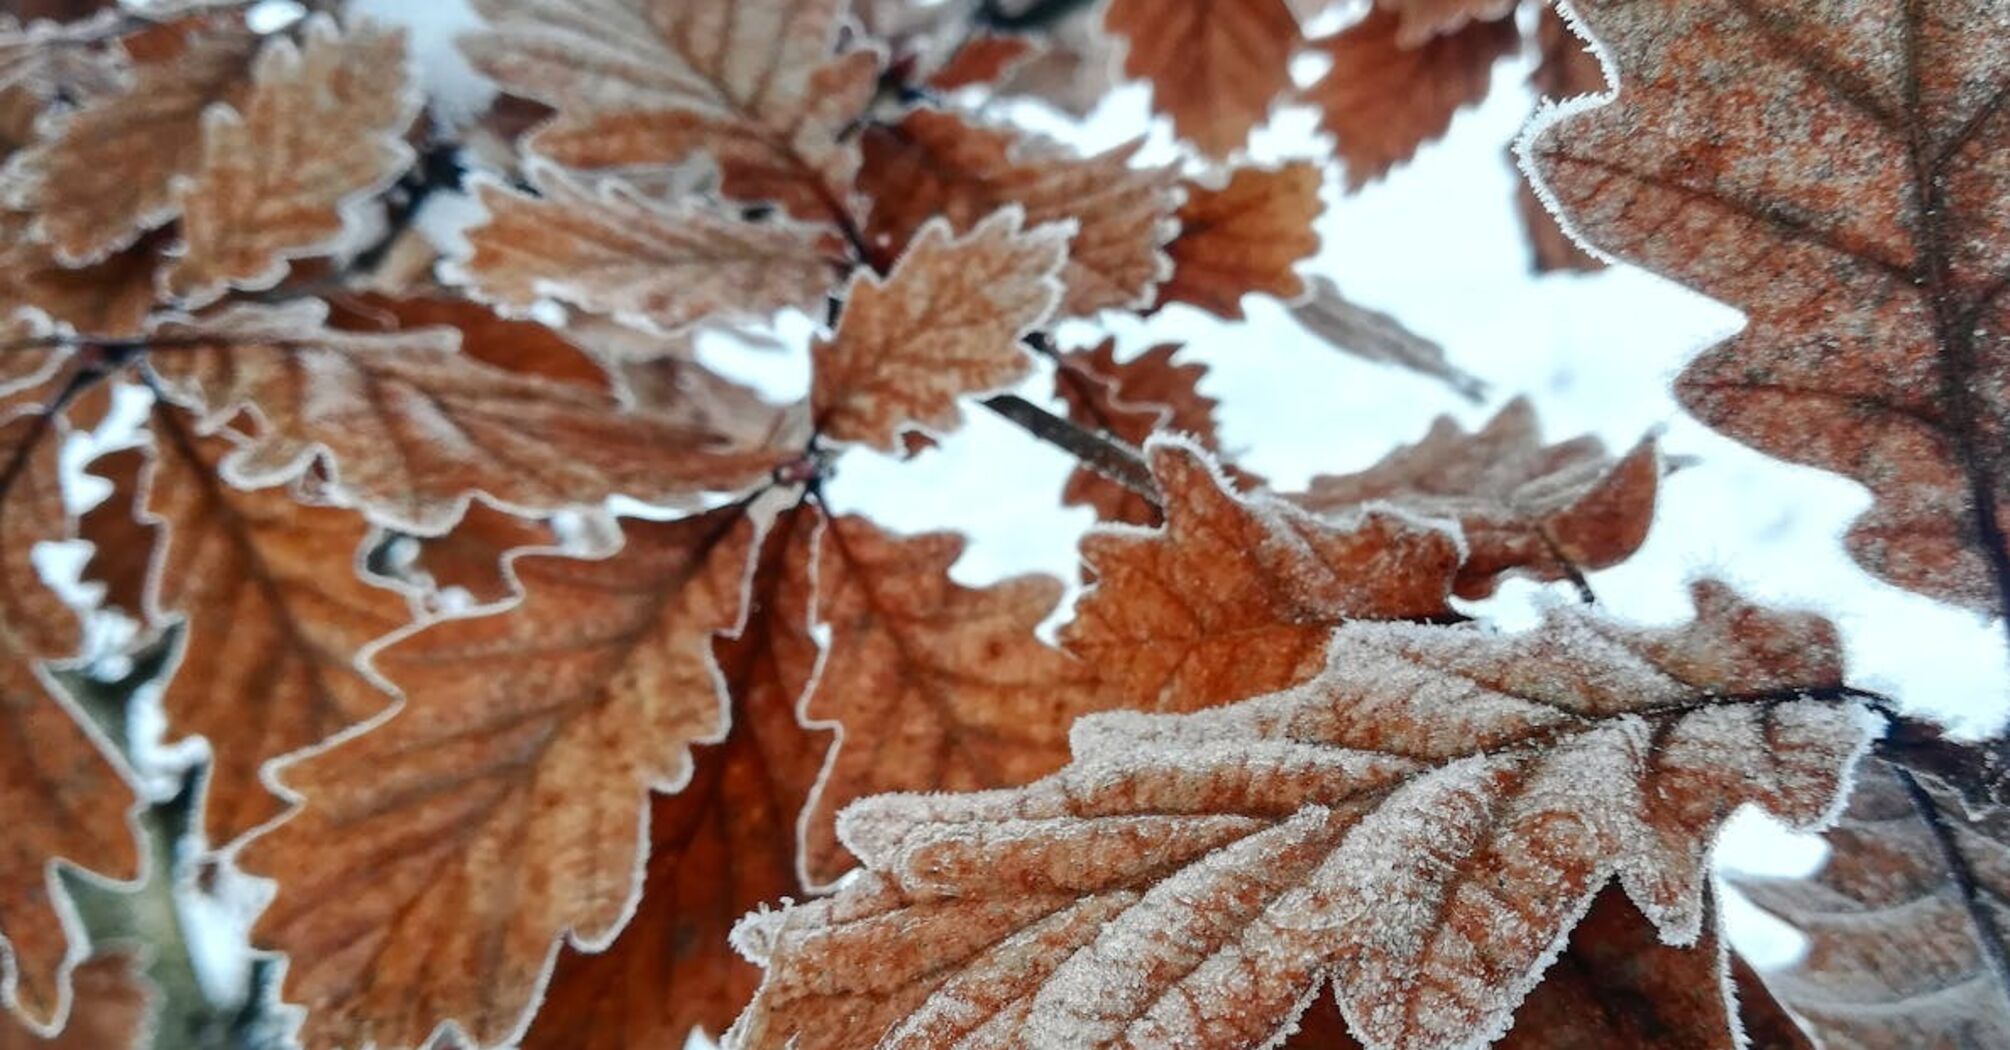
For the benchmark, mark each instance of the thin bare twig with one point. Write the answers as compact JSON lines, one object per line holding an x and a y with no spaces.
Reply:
{"x":1106,"y":456}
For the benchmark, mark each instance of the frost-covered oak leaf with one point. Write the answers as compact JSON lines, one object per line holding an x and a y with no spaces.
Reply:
{"x":1215,"y":66}
{"x":640,"y":84}
{"x":1420,"y":20}
{"x":1544,"y":511}
{"x":722,"y":846}
{"x":273,"y":612}
{"x":1419,"y":828}
{"x":437,"y":861}
{"x":944,"y":323}
{"x":109,"y":298}
{"x":469,"y":557}
{"x":666,"y":265}
{"x":1901,"y":953}
{"x":1237,"y":595}
{"x":1130,"y":401}
{"x":934,"y":686}
{"x":935,"y":163}
{"x":1565,"y":69}
{"x":112,"y":1010}
{"x":521,"y":346}
{"x":322,"y":127}
{"x":122,"y":545}
{"x":106,"y":173}
{"x":1848,"y":195}
{"x":409,"y":424}
{"x":1381,"y":101}
{"x":1244,"y":237}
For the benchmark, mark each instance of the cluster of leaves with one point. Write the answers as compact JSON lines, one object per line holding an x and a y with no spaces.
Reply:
{"x":518,"y":767}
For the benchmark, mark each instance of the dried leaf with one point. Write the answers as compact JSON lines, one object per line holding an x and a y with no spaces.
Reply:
{"x":1848,"y":197}
{"x":1565,"y":69}
{"x":104,"y":175}
{"x":723,"y":846}
{"x":1420,"y":20}
{"x":1903,"y":951}
{"x":933,"y":163}
{"x":274,"y":613}
{"x":1075,"y":69}
{"x":983,"y":59}
{"x":321,"y":128}
{"x":111,"y":1011}
{"x":66,"y":58}
{"x":437,"y":861}
{"x":1420,"y":826}
{"x":523,"y":347}
{"x":666,"y":265}
{"x":1238,"y":595}
{"x":107,"y":299}
{"x":471,"y":556}
{"x":409,"y":426}
{"x":1243,"y":238}
{"x":1130,"y":401}
{"x":944,"y":323}
{"x":936,"y":686}
{"x":1215,"y":66}
{"x":645,"y":83}
{"x":1545,"y":512}
{"x":1382,"y":100}
{"x":1375,"y":336}
{"x":122,"y":545}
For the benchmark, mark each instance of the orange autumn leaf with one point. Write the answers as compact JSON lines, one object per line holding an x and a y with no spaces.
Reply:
{"x":934,"y":686}
{"x":944,"y":323}
{"x":519,"y":346}
{"x":1215,"y":66}
{"x":1417,"y":828}
{"x":107,"y":299}
{"x":751,"y":83}
{"x":122,"y":545}
{"x":1565,"y":69}
{"x":105,"y":174}
{"x":723,"y":845}
{"x":437,"y":861}
{"x":411,"y":426}
{"x":273,"y":615}
{"x":1244,"y":237}
{"x":112,"y":1011}
{"x":1130,"y":401}
{"x":1542,"y":511}
{"x":982,"y":59}
{"x":1420,"y":20}
{"x":1848,"y":197}
{"x":1237,"y":595}
{"x":321,"y":128}
{"x":470,"y":557}
{"x":665,"y":265}
{"x":1381,"y":101}
{"x":934,"y":163}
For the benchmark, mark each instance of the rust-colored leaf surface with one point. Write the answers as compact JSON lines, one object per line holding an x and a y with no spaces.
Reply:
{"x":751,"y":83}
{"x":1565,"y":68}
{"x":322,"y":126}
{"x":1420,"y":20}
{"x":111,"y":1011}
{"x":1901,"y":952}
{"x":273,"y":611}
{"x":1381,"y":101}
{"x":105,"y":175}
{"x":1372,"y":335}
{"x":519,"y":346}
{"x":410,"y":425}
{"x":109,"y":298}
{"x":1215,"y":66}
{"x":983,"y":59}
{"x":470,"y":557}
{"x":1418,"y":827}
{"x":934,"y":163}
{"x":1545,"y":511}
{"x":1237,"y":595}
{"x":1847,"y":195}
{"x":935,"y":686}
{"x":437,"y":861}
{"x":1130,"y":401}
{"x":723,"y":846}
{"x":667,"y":265}
{"x":1244,"y":237}
{"x":122,"y":545}
{"x":945,"y":323}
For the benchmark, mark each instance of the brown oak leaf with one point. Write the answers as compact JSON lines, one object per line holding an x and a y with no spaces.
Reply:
{"x":1381,"y":100}
{"x":1237,"y":595}
{"x":645,"y":83}
{"x":520,"y":346}
{"x":935,"y":163}
{"x":1902,"y":951}
{"x":470,"y":556}
{"x":1372,"y":335}
{"x":105,"y":174}
{"x":663,"y":264}
{"x":109,"y":298}
{"x":1244,"y":237}
{"x":1215,"y":66}
{"x":274,"y":612}
{"x":1543,"y":511}
{"x":122,"y":545}
{"x":112,"y":1010}
{"x":321,"y":127}
{"x":944,"y":323}
{"x":1847,"y":195}
{"x":1130,"y":401}
{"x":984,"y":58}
{"x":437,"y":861}
{"x":1420,"y":20}
{"x":934,"y":686}
{"x":410,"y":425}
{"x":1418,"y":827}
{"x":1565,"y":68}
{"x":723,"y":846}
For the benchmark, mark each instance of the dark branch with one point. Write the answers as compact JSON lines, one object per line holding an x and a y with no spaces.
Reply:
{"x":1106,"y":456}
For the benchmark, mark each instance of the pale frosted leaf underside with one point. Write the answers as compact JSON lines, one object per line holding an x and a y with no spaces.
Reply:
{"x":1420,"y":827}
{"x":1372,"y":335}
